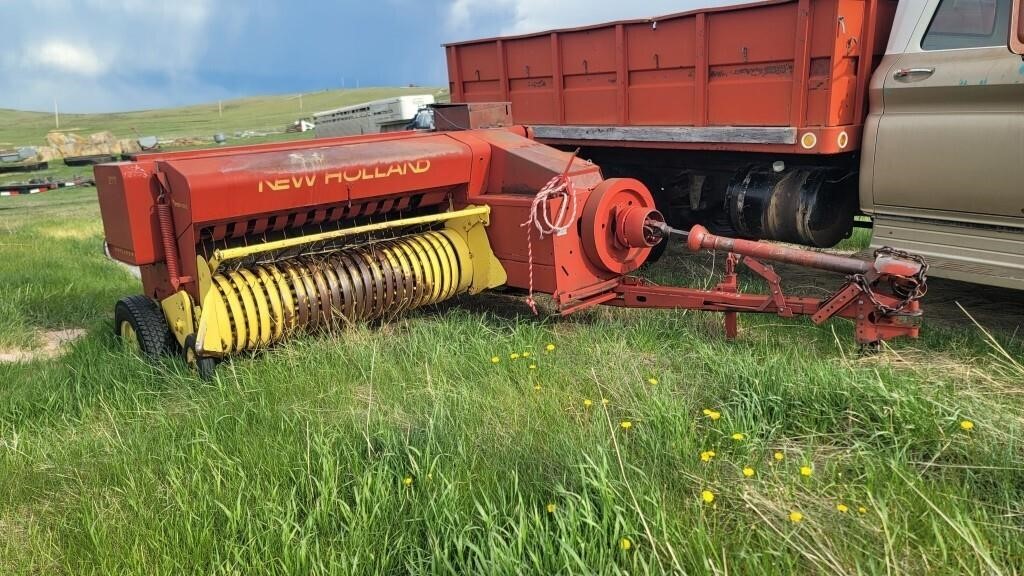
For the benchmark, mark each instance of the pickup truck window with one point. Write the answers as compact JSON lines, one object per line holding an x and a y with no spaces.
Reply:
{"x":968,"y":24}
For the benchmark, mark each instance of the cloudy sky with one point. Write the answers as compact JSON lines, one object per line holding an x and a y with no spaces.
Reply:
{"x":112,"y":55}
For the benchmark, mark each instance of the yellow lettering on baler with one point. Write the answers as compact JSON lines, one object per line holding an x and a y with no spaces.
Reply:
{"x":306,"y":181}
{"x":276,"y":185}
{"x":350,"y":175}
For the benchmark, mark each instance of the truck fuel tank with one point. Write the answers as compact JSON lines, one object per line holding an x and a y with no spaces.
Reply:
{"x":813,"y":206}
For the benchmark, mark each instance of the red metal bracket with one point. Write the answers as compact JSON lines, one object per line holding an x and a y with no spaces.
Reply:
{"x":836,"y":302}
{"x":731,"y":284}
{"x":774,"y":284}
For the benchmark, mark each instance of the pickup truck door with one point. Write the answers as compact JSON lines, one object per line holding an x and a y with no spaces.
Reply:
{"x":951,"y":134}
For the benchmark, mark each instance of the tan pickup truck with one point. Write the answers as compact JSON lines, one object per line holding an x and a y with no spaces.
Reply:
{"x":942,"y":164}
{"x":770,"y":120}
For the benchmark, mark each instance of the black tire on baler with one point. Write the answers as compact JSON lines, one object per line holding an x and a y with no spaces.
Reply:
{"x":148,"y":323}
{"x":205,"y":365}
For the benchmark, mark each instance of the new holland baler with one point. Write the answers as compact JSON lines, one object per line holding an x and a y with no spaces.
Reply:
{"x":241,"y":248}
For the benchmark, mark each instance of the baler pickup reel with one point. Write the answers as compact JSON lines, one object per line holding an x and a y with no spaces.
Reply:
{"x":241,"y":248}
{"x":257,"y":295}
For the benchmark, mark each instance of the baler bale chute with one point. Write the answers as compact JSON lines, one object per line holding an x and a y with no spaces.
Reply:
{"x":241,"y":248}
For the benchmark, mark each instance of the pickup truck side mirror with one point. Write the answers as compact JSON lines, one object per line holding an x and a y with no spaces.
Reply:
{"x":1017,"y":28}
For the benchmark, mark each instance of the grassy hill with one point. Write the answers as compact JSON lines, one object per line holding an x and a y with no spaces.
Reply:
{"x":257,"y":113}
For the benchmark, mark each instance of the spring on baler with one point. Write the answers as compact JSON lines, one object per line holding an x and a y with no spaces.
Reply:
{"x":268,"y":302}
{"x":163,"y":214}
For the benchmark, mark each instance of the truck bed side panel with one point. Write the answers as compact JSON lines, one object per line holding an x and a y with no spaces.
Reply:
{"x":801,"y":64}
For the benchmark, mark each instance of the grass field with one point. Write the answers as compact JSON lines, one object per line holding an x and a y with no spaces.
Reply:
{"x":263,"y":113}
{"x":257,"y":113}
{"x":402,"y":448}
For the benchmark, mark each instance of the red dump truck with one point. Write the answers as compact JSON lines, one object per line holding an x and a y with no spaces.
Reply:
{"x":784,"y":120}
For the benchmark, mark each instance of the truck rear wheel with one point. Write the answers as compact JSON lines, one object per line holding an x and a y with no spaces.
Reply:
{"x":139,"y":323}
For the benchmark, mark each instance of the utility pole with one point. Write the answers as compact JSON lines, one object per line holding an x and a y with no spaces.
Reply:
{"x":220,"y":108}
{"x":300,"y":102}
{"x":56,"y":115}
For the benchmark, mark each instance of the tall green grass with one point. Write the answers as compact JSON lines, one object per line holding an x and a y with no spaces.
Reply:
{"x":402,"y":448}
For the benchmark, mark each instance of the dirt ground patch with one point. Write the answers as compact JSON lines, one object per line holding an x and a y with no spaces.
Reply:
{"x":54,"y":344}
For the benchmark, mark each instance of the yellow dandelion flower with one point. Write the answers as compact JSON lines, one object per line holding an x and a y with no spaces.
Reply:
{"x":407,"y":481}
{"x":748,"y":472}
{"x":967,"y":425}
{"x":551,"y":508}
{"x":536,"y":386}
{"x":625,"y":544}
{"x":707,"y":455}
{"x":514,"y":356}
{"x":862,"y":510}
{"x":707,"y":496}
{"x":806,"y":471}
{"x":605,"y":401}
{"x":738,"y":436}
{"x":549,"y":348}
{"x":715,"y":415}
{"x":526,"y":354}
{"x":533,"y":366}
{"x":652,"y":381}
{"x":795,"y":516}
{"x":495,"y":359}
{"x":588,"y":403}
{"x":842,"y":508}
{"x":707,"y":412}
{"x":778,"y":456}
{"x":626,"y":424}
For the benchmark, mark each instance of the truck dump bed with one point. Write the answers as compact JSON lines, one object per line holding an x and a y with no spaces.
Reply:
{"x":777,"y":76}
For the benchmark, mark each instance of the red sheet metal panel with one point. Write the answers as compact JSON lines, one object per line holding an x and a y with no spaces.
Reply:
{"x":662,"y":75}
{"x":276,"y":181}
{"x":801,"y":64}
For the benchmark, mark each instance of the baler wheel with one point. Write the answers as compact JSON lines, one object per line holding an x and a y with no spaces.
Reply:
{"x":205,"y":365}
{"x":139,"y":323}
